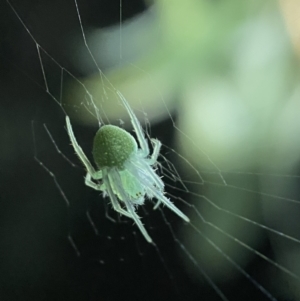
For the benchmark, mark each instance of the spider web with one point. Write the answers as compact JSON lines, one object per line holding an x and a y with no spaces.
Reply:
{"x":239,"y":185}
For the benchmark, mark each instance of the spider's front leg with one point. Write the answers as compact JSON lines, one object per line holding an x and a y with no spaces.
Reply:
{"x":78,"y":150}
{"x":136,"y":125}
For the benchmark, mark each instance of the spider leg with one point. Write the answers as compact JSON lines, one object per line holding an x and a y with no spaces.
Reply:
{"x":162,"y":199}
{"x":156,"y":150}
{"x":129,"y":206}
{"x":114,"y":201}
{"x":157,"y":205}
{"x":136,"y":218}
{"x":153,"y":160}
{"x":78,"y":149}
{"x":88,"y":182}
{"x":136,"y":125}
{"x":97,"y":175}
{"x":149,"y":173}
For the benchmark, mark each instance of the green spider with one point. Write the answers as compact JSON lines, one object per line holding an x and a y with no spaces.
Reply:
{"x":125,"y":173}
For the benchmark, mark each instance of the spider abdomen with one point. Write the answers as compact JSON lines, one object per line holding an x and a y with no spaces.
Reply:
{"x":112,"y":147}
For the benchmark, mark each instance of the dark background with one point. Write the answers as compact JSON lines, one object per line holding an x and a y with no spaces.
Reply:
{"x":37,"y":262}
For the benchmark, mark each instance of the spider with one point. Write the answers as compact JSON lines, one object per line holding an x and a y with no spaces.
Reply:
{"x":125,"y":173}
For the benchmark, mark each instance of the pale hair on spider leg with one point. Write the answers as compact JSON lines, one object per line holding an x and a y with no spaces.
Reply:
{"x":126,"y":172}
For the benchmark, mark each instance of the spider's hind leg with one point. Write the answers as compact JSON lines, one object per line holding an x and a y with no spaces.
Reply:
{"x":137,"y":220}
{"x":129,"y":203}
